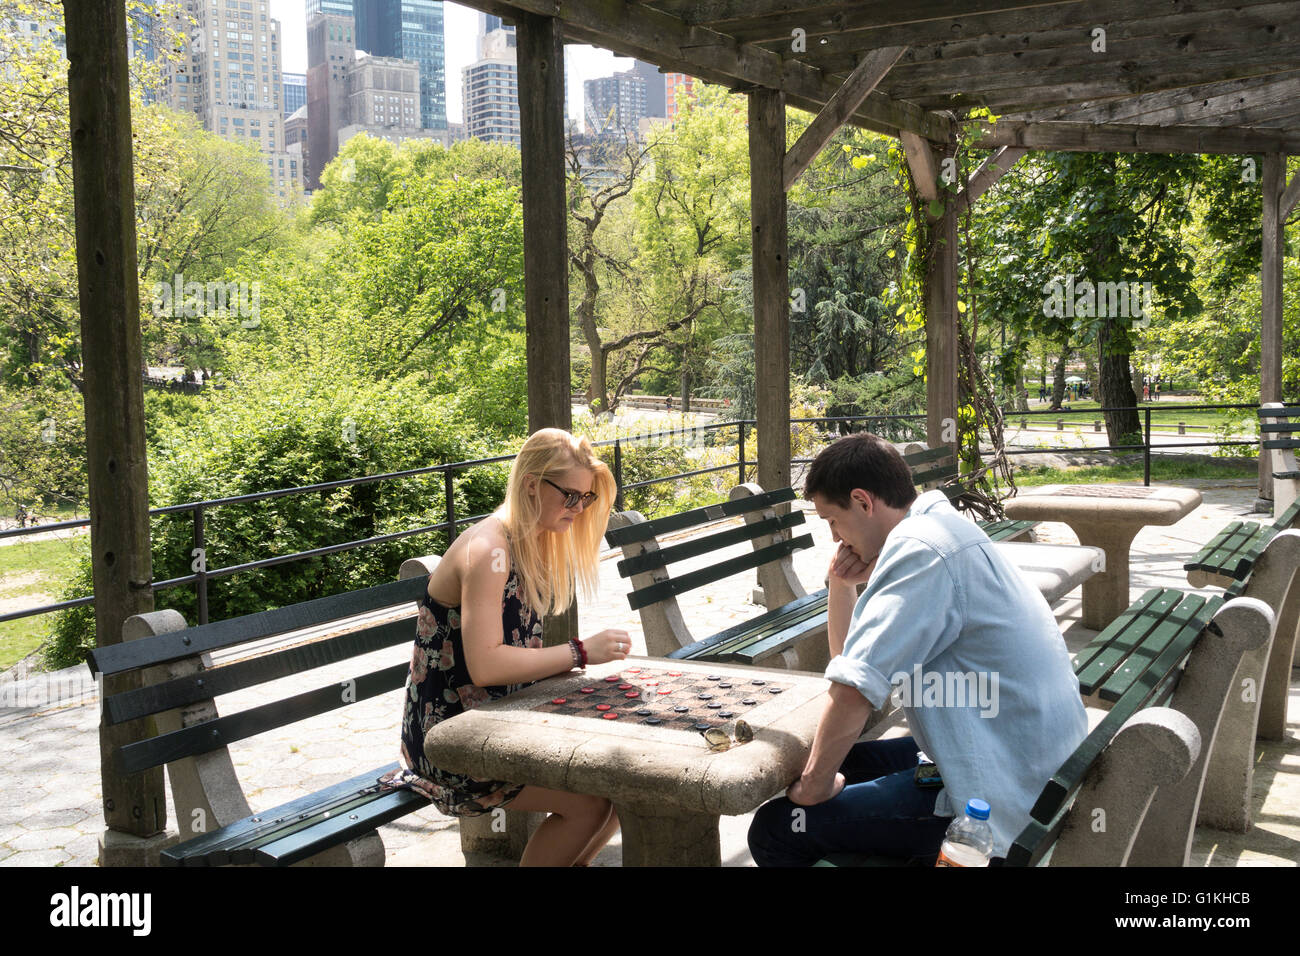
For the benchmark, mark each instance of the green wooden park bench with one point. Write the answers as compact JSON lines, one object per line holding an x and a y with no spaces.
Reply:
{"x":334,"y":826}
{"x":1129,"y":794}
{"x":937,"y":468}
{"x":1229,"y":557}
{"x":1277,"y":433}
{"x":792,"y":632}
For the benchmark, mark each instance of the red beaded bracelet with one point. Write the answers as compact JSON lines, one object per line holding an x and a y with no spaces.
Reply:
{"x":579,"y":653}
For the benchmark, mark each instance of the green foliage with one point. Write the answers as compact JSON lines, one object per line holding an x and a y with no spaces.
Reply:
{"x":42,"y":447}
{"x":281,"y":431}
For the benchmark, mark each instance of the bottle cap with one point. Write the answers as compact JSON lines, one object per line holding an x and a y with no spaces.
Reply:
{"x":977,"y":809}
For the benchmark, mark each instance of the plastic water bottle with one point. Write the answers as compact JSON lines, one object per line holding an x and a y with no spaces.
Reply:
{"x":969,"y":840}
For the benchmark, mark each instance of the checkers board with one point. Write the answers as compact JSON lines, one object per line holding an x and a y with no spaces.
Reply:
{"x":661,"y":697}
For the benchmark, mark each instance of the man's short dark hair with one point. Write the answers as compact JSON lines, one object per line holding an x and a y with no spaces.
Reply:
{"x":861,"y":461}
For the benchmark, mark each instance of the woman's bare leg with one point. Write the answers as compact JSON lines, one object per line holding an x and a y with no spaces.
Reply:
{"x":575,"y":820}
{"x":598,"y":842}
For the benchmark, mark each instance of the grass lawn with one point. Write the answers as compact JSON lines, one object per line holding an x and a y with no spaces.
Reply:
{"x":1162,"y":469}
{"x":31,"y":568}
{"x":1164,"y":413}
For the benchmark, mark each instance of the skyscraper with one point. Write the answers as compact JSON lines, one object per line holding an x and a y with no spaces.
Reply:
{"x":231,"y":80}
{"x":656,"y":88}
{"x":615,"y":104}
{"x":491,"y":90}
{"x":408,"y":30}
{"x":294,"y":92}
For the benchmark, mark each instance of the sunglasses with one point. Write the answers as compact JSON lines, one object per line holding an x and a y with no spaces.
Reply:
{"x":573,"y":498}
{"x":720,"y":740}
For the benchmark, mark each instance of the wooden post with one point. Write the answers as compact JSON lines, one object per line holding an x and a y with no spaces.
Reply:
{"x":108,"y":286}
{"x":771,"y":285}
{"x":1270,"y":324}
{"x":924,"y":161}
{"x":546,"y":236}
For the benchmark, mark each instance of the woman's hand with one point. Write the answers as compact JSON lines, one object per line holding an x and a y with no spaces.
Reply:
{"x":609,"y":645}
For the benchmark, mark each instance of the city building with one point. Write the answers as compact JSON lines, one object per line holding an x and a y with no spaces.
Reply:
{"x":409,"y":30}
{"x":293,"y":88}
{"x":331,"y":47}
{"x":614,"y":104}
{"x":231,"y":80}
{"x":680,"y":90}
{"x":491,"y":89}
{"x":656,"y":88}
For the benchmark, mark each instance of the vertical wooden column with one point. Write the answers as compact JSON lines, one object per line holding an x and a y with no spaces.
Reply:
{"x":546,"y":233}
{"x":941,"y":318}
{"x":1270,"y":319}
{"x":107,"y":283}
{"x":546,"y":237}
{"x":771,"y":285}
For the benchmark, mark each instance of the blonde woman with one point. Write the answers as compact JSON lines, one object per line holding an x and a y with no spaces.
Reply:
{"x":479,"y":635}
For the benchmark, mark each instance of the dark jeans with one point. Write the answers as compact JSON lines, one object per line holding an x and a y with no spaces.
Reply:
{"x":881,"y":811}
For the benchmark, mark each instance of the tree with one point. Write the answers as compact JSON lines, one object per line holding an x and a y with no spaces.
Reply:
{"x":1067,"y":234}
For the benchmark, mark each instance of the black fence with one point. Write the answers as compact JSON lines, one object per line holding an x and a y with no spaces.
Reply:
{"x":898,"y":428}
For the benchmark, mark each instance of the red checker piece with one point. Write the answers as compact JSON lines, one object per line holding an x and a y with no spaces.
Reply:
{"x":602,"y":706}
{"x":624,"y":686}
{"x":674,"y":673}
{"x":612,"y":678}
{"x":632,"y":694}
{"x":560,"y":700}
{"x":665,"y":690}
{"x":588,"y":690}
{"x":610,"y":716}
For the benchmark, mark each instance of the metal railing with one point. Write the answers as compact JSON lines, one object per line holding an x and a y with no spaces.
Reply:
{"x":893,"y":427}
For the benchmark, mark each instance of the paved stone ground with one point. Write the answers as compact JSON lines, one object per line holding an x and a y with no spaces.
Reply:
{"x":50,"y":803}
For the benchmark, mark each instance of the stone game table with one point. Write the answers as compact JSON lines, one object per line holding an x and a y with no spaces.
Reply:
{"x":1108,"y":517}
{"x":669,"y":790}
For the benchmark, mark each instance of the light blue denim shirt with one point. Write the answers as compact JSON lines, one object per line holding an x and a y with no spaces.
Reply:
{"x":977,"y":659}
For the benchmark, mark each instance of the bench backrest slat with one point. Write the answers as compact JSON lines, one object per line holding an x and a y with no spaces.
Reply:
{"x":686,"y":582}
{"x":1290,"y":411}
{"x":130,"y":655}
{"x":642,"y":530}
{"x":937,"y":453}
{"x":1286,"y":427}
{"x":707,"y":543}
{"x":1281,"y":443}
{"x":1288,"y":517}
{"x":1214,"y":544}
{"x":212,"y":682}
{"x":214,"y":734}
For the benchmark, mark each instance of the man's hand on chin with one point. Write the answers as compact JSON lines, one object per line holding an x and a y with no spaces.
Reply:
{"x":808,"y":793}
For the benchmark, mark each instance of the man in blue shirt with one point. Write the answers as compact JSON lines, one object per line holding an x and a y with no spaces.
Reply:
{"x":972,"y":650}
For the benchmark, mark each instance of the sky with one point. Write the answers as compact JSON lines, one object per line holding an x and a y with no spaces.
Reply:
{"x":460,"y":28}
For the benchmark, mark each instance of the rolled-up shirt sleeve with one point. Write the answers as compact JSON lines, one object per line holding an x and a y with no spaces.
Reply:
{"x":908,"y":614}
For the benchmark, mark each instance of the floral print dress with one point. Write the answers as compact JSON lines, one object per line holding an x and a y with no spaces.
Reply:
{"x":439,"y":688}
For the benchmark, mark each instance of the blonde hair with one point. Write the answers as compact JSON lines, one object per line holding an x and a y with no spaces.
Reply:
{"x":551,"y":565}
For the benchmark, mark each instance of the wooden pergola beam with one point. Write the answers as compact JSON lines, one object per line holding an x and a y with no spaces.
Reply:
{"x":1149,"y":108}
{"x":836,"y":112}
{"x":921,"y":163}
{"x":633,"y":29}
{"x":1132,"y":138}
{"x":1272,"y":181}
{"x":1290,"y":197}
{"x":990,"y":171}
{"x":135,"y":806}
{"x":769,"y":232}
{"x":1017,"y":33}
